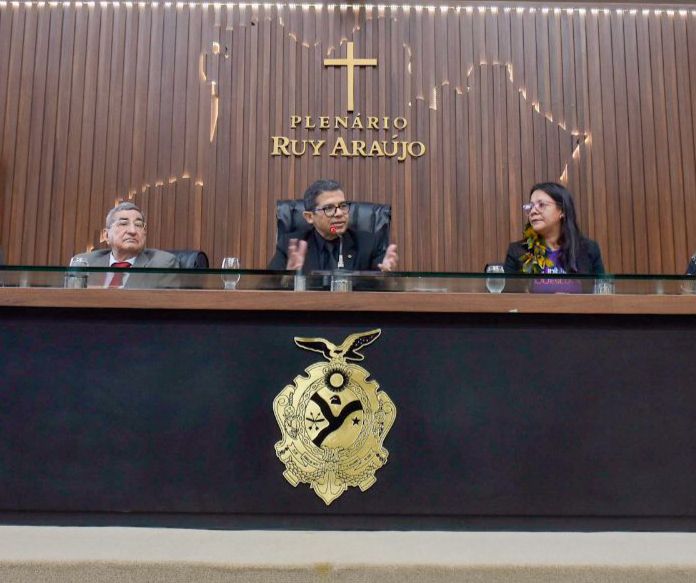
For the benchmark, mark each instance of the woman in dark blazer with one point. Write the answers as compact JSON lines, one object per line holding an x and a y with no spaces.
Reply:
{"x":552,"y":240}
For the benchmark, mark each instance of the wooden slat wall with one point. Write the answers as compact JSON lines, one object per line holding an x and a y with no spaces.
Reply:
{"x":108,"y":101}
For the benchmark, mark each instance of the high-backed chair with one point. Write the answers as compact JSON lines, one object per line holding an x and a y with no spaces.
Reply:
{"x":190,"y":258}
{"x":364,"y":216}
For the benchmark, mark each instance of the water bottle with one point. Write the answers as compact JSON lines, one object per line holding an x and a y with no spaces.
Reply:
{"x":76,"y":279}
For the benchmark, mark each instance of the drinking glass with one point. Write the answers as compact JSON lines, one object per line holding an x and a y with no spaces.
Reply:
{"x":341,"y":282}
{"x":73,"y":279}
{"x":495,"y":285}
{"x":688,"y":285}
{"x":603,"y":286}
{"x":231,"y":279}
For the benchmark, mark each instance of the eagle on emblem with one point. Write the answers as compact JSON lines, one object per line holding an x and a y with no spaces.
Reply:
{"x":348,"y":350}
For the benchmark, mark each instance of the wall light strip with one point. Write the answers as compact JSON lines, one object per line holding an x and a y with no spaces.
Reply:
{"x":444,"y":8}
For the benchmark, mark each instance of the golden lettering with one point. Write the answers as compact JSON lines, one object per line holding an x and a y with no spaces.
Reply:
{"x":295,"y":120}
{"x":376,"y":150}
{"x":411,"y":147}
{"x":386,"y":152}
{"x":404,"y":151}
{"x":400,"y":123}
{"x":372,"y":123}
{"x":324,"y":122}
{"x":359,"y":148}
{"x":357,"y":124}
{"x":308,"y":123}
{"x":316,"y":146}
{"x":280,"y":146}
{"x":340,"y":148}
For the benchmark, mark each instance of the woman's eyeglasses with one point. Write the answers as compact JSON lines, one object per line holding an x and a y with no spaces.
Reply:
{"x":541,"y":206}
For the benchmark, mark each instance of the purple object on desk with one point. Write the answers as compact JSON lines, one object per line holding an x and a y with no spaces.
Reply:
{"x":556,"y":286}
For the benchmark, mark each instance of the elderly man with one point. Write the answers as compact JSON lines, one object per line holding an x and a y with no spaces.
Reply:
{"x":330,"y":243}
{"x":125,"y":232}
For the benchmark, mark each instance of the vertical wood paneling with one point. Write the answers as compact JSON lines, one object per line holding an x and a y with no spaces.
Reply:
{"x":125,"y":180}
{"x":598,"y":209}
{"x":23,"y":133}
{"x":47,"y":196}
{"x":661,"y":138}
{"x":87,"y":133}
{"x":116,"y":97}
{"x":611,"y":209}
{"x":32,"y":212}
{"x":623,"y":204}
{"x":676,"y":178}
{"x":518,"y":188}
{"x":583,"y":125}
{"x":98,"y":204}
{"x":687,"y":104}
{"x":105,"y":102}
{"x":653,"y":233}
{"x":634,"y":148}
{"x":167,"y":147}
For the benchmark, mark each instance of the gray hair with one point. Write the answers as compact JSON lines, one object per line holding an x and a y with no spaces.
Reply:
{"x":122,"y":206}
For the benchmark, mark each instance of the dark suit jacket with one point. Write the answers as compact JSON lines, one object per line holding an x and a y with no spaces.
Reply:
{"x":589,"y":257}
{"x":360,"y":252}
{"x":152,"y":258}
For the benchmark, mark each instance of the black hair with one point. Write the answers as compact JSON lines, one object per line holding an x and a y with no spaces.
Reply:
{"x":315,"y":189}
{"x":569,"y":241}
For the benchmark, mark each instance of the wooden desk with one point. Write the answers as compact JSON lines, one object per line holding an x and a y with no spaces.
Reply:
{"x":513,"y":411}
{"x":471,"y":303}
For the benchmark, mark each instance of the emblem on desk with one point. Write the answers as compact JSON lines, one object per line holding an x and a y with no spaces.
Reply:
{"x":334,"y":420}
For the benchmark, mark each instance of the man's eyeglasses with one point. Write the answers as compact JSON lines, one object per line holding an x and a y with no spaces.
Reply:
{"x":541,"y":206}
{"x":330,"y":209}
{"x":124,"y":224}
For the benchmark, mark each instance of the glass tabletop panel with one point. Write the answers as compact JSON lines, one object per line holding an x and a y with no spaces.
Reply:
{"x":341,"y":282}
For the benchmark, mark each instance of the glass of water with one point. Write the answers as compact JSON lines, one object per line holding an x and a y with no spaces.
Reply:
{"x":604,"y":286}
{"x":74,"y":279}
{"x":231,"y":279}
{"x":495,"y":285}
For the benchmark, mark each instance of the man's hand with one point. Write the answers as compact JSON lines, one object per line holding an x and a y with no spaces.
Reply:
{"x":391,"y":259}
{"x":297,"y":250}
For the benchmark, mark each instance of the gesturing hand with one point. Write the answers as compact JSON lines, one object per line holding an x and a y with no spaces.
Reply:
{"x":297,"y":251}
{"x":391,"y":259}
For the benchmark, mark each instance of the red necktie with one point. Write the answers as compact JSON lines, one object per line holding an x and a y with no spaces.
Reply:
{"x":117,"y":279}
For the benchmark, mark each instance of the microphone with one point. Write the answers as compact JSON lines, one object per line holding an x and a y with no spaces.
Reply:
{"x":339,"y":265}
{"x":333,"y":230}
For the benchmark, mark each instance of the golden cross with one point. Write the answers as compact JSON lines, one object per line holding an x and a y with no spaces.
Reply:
{"x":350,"y":62}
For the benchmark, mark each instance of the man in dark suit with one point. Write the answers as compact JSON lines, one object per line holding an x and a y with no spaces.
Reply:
{"x":328,"y":242}
{"x":126,"y":234}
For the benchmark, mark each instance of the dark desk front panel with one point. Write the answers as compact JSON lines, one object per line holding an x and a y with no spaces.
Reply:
{"x":526,"y":416}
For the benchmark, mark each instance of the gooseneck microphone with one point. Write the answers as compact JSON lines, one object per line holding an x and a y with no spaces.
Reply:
{"x":333,"y":230}
{"x":340,"y":253}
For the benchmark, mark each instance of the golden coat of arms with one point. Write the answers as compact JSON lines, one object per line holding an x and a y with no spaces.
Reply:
{"x":334,"y":420}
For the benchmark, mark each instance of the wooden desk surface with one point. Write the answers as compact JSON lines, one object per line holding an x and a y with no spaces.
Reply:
{"x":353,"y":302}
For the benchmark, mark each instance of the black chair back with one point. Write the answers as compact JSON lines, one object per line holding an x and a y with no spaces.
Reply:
{"x":364,"y":216}
{"x":190,"y":258}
